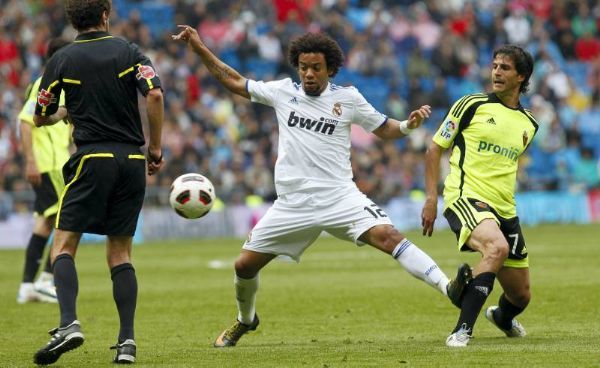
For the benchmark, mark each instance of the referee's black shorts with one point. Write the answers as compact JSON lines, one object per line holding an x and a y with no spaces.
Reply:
{"x":104,"y":192}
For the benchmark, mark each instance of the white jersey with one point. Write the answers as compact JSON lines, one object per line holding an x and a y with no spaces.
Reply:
{"x":314,"y":132}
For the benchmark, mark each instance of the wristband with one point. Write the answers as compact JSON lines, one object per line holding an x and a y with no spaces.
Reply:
{"x":156,"y":161}
{"x":404,"y":127}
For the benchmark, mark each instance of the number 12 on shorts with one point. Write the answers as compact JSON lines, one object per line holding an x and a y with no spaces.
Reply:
{"x":375,"y":211}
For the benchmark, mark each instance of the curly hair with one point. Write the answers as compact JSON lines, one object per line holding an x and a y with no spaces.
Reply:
{"x":317,"y":43}
{"x":84,"y":14}
{"x":523,"y":62}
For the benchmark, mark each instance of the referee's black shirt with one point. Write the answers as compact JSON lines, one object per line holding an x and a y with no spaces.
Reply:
{"x":99,"y":74}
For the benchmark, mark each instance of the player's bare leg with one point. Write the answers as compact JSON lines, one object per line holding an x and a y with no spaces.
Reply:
{"x":488,"y":240}
{"x":247,"y":266}
{"x":514,"y":300}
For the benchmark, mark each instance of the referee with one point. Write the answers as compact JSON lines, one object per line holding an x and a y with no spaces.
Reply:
{"x":105,"y":178}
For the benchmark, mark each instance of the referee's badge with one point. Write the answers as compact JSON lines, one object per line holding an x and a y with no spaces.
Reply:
{"x":525,"y":138}
{"x":45,"y":98}
{"x":146,"y":72}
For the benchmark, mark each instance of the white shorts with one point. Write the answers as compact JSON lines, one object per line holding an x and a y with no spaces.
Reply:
{"x":295,"y":220}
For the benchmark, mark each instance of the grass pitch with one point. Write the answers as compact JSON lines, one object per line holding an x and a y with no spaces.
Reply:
{"x":342,"y":306}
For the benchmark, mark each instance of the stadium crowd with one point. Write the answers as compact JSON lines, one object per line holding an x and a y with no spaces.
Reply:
{"x":399,"y":54}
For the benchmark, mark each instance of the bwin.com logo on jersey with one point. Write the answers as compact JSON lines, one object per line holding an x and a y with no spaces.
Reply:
{"x":323,"y":126}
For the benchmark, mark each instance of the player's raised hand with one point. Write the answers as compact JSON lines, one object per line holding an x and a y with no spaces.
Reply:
{"x":428,"y":216}
{"x":416,"y":118}
{"x":189,"y":35}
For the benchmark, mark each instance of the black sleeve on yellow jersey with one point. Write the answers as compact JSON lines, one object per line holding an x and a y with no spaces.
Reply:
{"x":458,"y":118}
{"x":465,"y":108}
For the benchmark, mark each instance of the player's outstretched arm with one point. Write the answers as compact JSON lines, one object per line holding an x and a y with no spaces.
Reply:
{"x":397,"y":129}
{"x":432,"y":176}
{"x":229,"y":77}
{"x":154,"y":101}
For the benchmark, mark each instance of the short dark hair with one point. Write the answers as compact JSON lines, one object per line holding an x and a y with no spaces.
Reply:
{"x":84,"y":14}
{"x":317,"y":43}
{"x":54,"y":45}
{"x":523,"y":62}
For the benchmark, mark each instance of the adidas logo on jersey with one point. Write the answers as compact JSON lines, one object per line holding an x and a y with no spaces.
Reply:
{"x":294,"y":100}
{"x":491,"y":121}
{"x":323,"y":126}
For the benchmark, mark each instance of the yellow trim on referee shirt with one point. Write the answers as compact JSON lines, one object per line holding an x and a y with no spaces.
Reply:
{"x":77,"y":173}
{"x":93,"y":39}
{"x":128,"y":70}
{"x":124,"y":72}
{"x":132,"y":68}
{"x":139,"y":157}
{"x":49,"y":88}
{"x":71,"y":81}
{"x":150,"y":85}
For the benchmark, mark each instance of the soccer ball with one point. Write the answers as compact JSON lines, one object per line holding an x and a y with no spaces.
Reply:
{"x":192,"y":196}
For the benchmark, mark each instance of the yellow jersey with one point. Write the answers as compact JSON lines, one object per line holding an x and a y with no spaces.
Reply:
{"x":487,"y":139}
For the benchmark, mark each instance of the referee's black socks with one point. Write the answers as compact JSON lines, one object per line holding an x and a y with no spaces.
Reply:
{"x":477,"y":292}
{"x":125,"y":295}
{"x":67,"y":287}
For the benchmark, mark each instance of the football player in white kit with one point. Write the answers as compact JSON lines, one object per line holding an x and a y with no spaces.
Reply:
{"x":313,"y":174}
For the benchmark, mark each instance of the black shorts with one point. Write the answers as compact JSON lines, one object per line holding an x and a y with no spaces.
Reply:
{"x":466,"y":213}
{"x":47,"y":193}
{"x":105,"y":189}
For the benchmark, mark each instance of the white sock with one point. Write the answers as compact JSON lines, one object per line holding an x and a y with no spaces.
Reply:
{"x":420,"y":265}
{"x":245,"y":295}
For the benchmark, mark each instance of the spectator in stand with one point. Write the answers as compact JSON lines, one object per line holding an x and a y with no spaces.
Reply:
{"x":587,"y":47}
{"x":586,"y":172}
{"x":583,"y":23}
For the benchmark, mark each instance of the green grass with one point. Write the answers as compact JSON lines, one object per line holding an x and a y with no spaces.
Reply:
{"x":342,"y":306}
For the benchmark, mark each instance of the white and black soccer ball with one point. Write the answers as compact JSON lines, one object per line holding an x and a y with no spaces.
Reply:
{"x":192,"y":196}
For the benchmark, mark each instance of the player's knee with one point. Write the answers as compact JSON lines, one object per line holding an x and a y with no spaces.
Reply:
{"x":497,"y":250}
{"x":116,"y":257}
{"x":42,"y":227}
{"x":521,"y":298}
{"x":387,"y":236}
{"x":244,"y":268}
